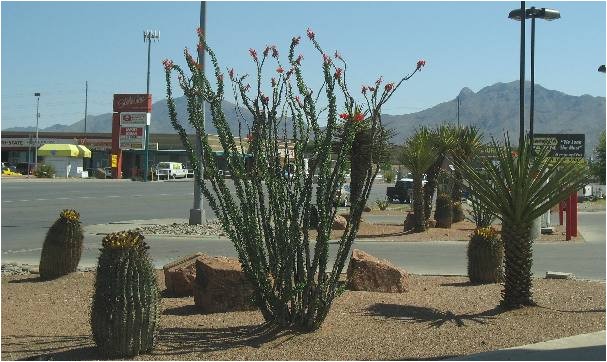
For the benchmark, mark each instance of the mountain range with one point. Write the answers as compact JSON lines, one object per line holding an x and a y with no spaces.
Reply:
{"x":494,"y":109}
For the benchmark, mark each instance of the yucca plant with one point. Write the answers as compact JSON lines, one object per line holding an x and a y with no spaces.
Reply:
{"x":418,"y":155}
{"x":518,"y":186}
{"x":267,"y":216}
{"x":444,"y":141}
{"x":467,"y":144}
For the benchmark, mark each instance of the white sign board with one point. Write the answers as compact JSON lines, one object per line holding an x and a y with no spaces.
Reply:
{"x":132,"y":138}
{"x":131,"y":119}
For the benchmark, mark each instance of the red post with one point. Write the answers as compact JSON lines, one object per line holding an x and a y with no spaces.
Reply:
{"x":574,"y":214}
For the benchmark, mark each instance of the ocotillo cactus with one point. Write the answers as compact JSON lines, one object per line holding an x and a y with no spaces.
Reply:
{"x":62,"y":246}
{"x":125,"y":310}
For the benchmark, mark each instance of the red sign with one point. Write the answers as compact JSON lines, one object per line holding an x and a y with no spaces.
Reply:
{"x":132,"y":102}
{"x":131,"y":132}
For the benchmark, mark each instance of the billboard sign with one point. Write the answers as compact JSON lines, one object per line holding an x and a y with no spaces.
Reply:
{"x":133,"y":119}
{"x":132,"y":138}
{"x":570,"y":146}
{"x":132,"y":102}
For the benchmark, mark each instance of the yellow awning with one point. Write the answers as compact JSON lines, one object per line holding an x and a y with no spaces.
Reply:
{"x":64,"y":150}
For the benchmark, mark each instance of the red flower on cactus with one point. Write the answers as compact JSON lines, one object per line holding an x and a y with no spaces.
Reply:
{"x":378,"y":81}
{"x":299,"y":59}
{"x":274,"y":52}
{"x":289,"y":72}
{"x":388,"y":87}
{"x":200,"y":47}
{"x":273,"y":82}
{"x":420,"y":63}
{"x":344,"y":116}
{"x":372,"y":89}
{"x":363,"y":90}
{"x":279,"y":70}
{"x":231,"y":73}
{"x":358,"y":117}
{"x":168,"y":64}
{"x":266,"y":51}
{"x":338,"y":73}
{"x":310,"y":34}
{"x":295,"y":40}
{"x":199,"y":31}
{"x":265,"y":99}
{"x":326,"y":59}
{"x":249,"y":137}
{"x":253,"y":53}
{"x":338,"y":56}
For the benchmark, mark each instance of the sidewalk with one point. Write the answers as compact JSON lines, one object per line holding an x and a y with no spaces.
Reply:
{"x":583,"y":347}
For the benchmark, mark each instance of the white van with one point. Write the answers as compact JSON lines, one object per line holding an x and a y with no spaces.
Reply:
{"x":170,"y":170}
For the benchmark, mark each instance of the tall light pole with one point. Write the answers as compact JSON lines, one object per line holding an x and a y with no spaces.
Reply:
{"x":148,"y":36}
{"x":532,"y":13}
{"x":37,"y":95}
{"x":197,"y":210}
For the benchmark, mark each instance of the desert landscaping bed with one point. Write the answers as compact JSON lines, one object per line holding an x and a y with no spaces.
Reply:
{"x":439,"y":317}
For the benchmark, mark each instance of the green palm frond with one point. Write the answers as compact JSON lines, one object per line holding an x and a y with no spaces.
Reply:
{"x":522,"y":186}
{"x":419,"y":152}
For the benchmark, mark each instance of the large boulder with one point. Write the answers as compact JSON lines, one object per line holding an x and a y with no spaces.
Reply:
{"x":221,"y":286}
{"x":180,"y":274}
{"x":368,"y":273}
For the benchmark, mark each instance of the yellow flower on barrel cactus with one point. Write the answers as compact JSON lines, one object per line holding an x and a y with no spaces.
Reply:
{"x":122,"y":240}
{"x":69,"y":214}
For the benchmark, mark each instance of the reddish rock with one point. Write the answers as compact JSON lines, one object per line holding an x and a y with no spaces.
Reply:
{"x":367,"y":209}
{"x":221,"y":286}
{"x":431,"y":223}
{"x":409,"y":222}
{"x":180,"y":274}
{"x":368,"y":273}
{"x":339,"y":223}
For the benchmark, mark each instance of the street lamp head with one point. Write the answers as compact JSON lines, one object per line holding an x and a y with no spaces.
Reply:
{"x":602,"y":68}
{"x":542,"y":13}
{"x":36,"y":94}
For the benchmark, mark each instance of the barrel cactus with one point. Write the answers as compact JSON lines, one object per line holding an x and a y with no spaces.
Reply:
{"x":125,"y":310}
{"x":485,"y":256}
{"x":62,"y":246}
{"x":443,"y":214}
{"x":458,"y":212}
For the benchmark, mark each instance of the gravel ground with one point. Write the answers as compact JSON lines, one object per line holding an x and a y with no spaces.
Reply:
{"x":210,"y":228}
{"x":439,"y":317}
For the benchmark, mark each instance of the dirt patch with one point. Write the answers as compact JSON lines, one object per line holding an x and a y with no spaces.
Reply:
{"x":439,"y":317}
{"x":459,"y":231}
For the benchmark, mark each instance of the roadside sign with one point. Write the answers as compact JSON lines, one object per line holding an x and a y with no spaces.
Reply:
{"x":132,"y":138}
{"x":568,"y":146}
{"x":114,"y":161}
{"x":130,"y":119}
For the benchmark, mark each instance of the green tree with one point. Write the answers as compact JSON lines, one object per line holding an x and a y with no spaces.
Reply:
{"x":467,"y":144}
{"x":444,"y":141}
{"x":418,"y":155}
{"x":597,"y":167}
{"x":519,"y":188}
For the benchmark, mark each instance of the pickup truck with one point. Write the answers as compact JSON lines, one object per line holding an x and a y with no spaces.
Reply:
{"x":401,"y":191}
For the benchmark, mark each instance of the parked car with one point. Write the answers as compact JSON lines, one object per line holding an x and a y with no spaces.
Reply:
{"x":9,"y":170}
{"x":402,"y":191}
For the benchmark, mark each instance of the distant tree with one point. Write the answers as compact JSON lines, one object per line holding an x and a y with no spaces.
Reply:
{"x":597,"y":167}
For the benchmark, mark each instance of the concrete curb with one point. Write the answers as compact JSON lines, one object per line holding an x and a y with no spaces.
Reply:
{"x":583,"y":347}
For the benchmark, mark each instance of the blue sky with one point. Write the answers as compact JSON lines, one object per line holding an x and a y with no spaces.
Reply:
{"x":54,"y":47}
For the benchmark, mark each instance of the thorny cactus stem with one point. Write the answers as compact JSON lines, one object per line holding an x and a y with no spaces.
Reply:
{"x":265,"y":214}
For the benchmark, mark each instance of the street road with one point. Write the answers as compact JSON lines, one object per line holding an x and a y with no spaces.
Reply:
{"x":28,"y":209}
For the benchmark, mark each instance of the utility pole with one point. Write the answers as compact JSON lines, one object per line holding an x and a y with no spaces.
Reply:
{"x":148,"y":35}
{"x":197,"y":210}
{"x":37,"y":118}
{"x":86,"y":101}
{"x":521,"y":137}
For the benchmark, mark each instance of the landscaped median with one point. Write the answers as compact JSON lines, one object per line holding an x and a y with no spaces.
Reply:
{"x":439,"y":317}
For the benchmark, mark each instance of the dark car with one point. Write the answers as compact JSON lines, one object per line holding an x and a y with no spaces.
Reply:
{"x":401,"y":191}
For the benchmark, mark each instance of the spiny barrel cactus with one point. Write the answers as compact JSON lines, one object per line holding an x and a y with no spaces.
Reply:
{"x":125,"y":310}
{"x":485,"y":256}
{"x":443,"y":214}
{"x":62,"y":246}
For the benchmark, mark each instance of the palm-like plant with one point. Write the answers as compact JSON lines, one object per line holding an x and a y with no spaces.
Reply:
{"x":444,"y":139}
{"x":518,"y":189}
{"x":467,"y":144}
{"x":418,"y":155}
